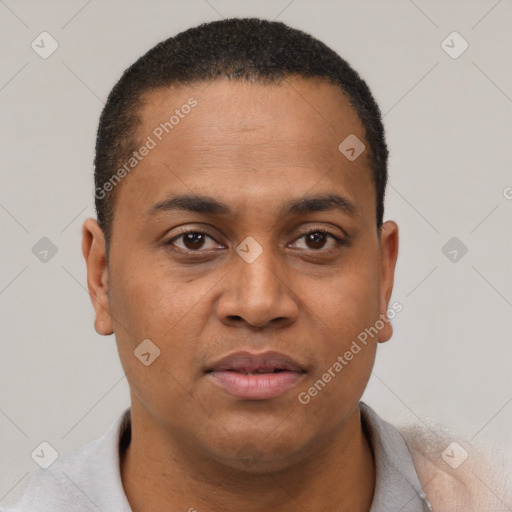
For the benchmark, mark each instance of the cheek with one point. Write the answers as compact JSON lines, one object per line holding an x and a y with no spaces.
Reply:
{"x":346,"y":309}
{"x":347,"y":302}
{"x":150,"y":303}
{"x":151,"y":300}
{"x":346,"y":348}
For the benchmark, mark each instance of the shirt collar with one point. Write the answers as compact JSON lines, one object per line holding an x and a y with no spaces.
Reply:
{"x":397,"y":486}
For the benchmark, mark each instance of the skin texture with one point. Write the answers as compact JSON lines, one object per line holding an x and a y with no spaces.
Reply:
{"x":253,"y":147}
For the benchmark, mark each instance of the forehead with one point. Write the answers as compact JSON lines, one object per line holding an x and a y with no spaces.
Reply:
{"x":258,"y":140}
{"x":299,"y":115}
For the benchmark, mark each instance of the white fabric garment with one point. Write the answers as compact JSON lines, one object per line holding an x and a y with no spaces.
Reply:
{"x":88,"y":478}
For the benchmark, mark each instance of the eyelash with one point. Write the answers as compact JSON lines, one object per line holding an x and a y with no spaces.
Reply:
{"x":339,"y":241}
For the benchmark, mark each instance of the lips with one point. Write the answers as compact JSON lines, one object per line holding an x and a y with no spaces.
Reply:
{"x":255,"y":376}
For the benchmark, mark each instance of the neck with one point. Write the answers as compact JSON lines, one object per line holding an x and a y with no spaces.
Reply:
{"x":158,"y":474}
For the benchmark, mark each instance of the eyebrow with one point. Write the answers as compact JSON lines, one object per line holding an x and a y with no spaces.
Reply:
{"x":209,"y":205}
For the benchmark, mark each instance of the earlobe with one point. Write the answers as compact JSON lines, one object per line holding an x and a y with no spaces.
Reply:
{"x":94,"y":251}
{"x":388,"y":257}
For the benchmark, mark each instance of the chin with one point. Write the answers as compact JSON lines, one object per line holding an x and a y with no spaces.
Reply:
{"x":260,"y":451}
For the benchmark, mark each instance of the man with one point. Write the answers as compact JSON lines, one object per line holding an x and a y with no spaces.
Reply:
{"x":241,"y":260}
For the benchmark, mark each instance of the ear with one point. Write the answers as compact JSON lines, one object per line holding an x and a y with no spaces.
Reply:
{"x":94,"y":251}
{"x":388,"y":257}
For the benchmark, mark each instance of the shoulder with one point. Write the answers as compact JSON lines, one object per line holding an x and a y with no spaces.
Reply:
{"x":85,"y":479}
{"x":56,"y":488}
{"x":458,"y":476}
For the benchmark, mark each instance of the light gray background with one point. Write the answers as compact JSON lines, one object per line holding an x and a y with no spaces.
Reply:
{"x":449,"y":130}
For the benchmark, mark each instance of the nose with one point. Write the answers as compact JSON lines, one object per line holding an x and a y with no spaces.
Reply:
{"x":258,"y":294}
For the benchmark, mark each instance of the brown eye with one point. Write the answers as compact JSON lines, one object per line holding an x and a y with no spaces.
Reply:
{"x":316,"y":239}
{"x":194,"y":241}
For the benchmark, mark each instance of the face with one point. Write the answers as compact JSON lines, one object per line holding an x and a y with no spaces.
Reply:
{"x":245,"y":247}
